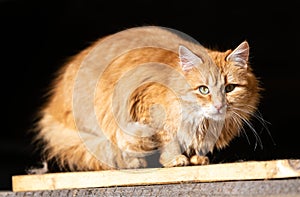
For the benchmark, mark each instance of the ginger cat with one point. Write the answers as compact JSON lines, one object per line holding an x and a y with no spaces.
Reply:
{"x":142,"y":90}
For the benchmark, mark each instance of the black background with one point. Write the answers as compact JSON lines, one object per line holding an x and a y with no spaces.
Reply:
{"x":36,"y":37}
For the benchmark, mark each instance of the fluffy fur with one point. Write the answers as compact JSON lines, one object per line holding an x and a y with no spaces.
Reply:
{"x":146,"y":89}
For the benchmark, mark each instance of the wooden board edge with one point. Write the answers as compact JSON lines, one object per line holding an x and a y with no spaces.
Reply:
{"x":250,"y":170}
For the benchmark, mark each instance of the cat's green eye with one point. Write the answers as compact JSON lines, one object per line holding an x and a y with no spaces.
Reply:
{"x":203,"y":90}
{"x":229,"y":87}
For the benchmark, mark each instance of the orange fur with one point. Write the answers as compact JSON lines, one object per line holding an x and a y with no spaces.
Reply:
{"x":133,"y":92}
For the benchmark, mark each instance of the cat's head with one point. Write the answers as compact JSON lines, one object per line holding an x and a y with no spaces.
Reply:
{"x":225,"y":86}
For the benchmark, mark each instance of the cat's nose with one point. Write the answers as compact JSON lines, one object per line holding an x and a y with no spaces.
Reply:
{"x":218,"y":106}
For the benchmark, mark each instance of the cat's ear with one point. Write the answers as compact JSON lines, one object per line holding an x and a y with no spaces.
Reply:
{"x":187,"y":58}
{"x":240,"y":54}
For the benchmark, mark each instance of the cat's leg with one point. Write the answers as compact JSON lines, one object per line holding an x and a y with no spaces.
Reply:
{"x":172,"y":156}
{"x":199,"y":160}
{"x":135,"y":144}
{"x":134,"y":162}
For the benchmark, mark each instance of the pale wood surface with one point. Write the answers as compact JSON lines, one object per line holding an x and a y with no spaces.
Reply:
{"x":251,"y":170}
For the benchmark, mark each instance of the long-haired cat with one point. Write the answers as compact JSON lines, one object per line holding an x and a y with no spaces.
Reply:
{"x":142,"y":90}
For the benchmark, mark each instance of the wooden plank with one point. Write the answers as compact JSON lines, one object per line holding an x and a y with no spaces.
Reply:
{"x":251,"y":170}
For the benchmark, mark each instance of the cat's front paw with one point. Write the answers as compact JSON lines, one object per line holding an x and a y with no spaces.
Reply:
{"x":179,"y":160}
{"x":137,"y":163}
{"x":199,"y":160}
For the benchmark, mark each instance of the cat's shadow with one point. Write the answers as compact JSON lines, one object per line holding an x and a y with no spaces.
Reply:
{"x":153,"y":160}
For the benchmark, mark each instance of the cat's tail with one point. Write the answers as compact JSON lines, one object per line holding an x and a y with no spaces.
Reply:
{"x":70,"y":148}
{"x":73,"y":149}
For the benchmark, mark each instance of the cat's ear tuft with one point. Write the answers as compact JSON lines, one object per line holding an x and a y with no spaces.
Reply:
{"x":240,"y":54}
{"x":188,"y":59}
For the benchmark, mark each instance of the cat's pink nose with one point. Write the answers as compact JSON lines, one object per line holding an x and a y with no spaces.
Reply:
{"x":218,"y":106}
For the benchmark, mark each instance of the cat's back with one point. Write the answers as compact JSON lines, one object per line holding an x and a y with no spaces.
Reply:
{"x":110,"y":47}
{"x":73,"y":92}
{"x":82,"y":72}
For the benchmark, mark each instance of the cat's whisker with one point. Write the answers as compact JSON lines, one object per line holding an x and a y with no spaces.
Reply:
{"x":242,"y":129}
{"x":259,"y":117}
{"x":246,"y":135}
{"x":256,"y":115}
{"x":264,"y":123}
{"x":257,"y":137}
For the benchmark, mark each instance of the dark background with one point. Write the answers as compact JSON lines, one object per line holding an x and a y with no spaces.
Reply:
{"x":36,"y":37}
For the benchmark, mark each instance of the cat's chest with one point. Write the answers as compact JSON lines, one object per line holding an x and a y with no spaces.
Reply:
{"x":199,"y":135}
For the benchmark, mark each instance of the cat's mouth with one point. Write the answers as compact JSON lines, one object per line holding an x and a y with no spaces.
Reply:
{"x":216,"y":113}
{"x":217,"y":116}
